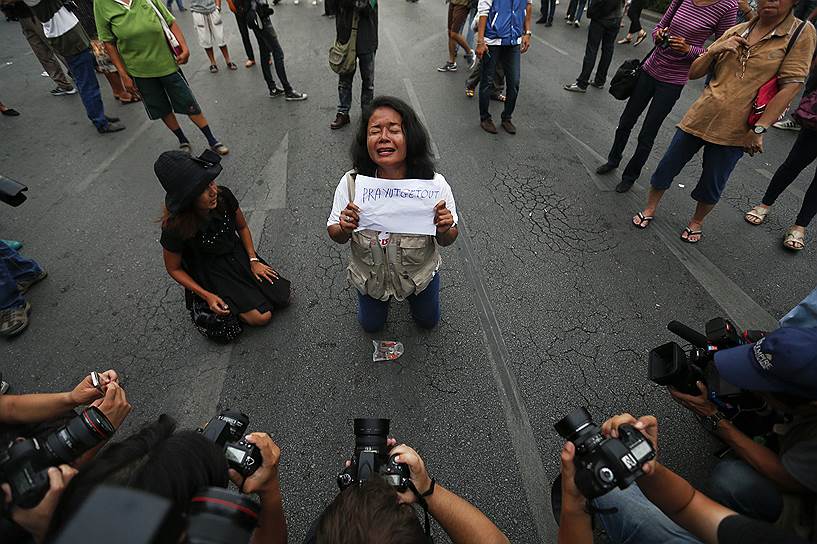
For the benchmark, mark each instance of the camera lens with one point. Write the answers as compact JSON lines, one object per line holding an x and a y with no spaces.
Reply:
{"x":574,"y":424}
{"x":221,"y":516}
{"x":371,"y":433}
{"x":80,"y":435}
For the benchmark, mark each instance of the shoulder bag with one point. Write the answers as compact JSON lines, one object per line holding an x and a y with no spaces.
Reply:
{"x":211,"y":325}
{"x":625,"y":78}
{"x":172,"y":42}
{"x":343,"y":56}
{"x":806,"y":112}
{"x":769,"y":89}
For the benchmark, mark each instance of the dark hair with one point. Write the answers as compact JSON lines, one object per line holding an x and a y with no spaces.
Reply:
{"x":369,"y":514}
{"x":419,"y":161}
{"x":187,"y":222}
{"x":156,"y":460}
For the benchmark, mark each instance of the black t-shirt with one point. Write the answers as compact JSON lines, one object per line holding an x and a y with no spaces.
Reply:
{"x":366,"y":26}
{"x":216,"y":235}
{"x":742,"y":530}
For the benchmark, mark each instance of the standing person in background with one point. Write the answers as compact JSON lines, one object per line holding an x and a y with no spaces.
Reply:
{"x":575,"y":10}
{"x":457,"y":14}
{"x":502,"y":36}
{"x":69,"y":40}
{"x":33,"y":32}
{"x":136,"y":42}
{"x":634,"y":14}
{"x":244,"y":30}
{"x":8,"y":112}
{"x":210,"y":30}
{"x":741,"y":62}
{"x":259,"y":19}
{"x":548,"y":9}
{"x":688,"y":24}
{"x":366,"y":48}
{"x":605,"y":20}
{"x":179,"y":3}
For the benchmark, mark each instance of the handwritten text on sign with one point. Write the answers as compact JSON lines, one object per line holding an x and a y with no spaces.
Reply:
{"x":403,"y":206}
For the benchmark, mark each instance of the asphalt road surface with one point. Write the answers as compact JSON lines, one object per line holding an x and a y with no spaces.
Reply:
{"x":551,"y":299}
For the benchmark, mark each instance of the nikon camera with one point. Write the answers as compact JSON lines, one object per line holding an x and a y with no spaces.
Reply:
{"x":603,"y":463}
{"x":227,"y":430}
{"x":24,"y":465}
{"x":371,"y":457}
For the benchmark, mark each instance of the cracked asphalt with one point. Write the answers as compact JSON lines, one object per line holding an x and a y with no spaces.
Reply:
{"x":580,"y":296}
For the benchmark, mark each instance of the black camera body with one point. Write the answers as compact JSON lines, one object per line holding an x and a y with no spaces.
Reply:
{"x":371,"y":457}
{"x":603,"y":463}
{"x":24,"y":464}
{"x":227,"y":430}
{"x":663,"y":43}
{"x":671,"y":365}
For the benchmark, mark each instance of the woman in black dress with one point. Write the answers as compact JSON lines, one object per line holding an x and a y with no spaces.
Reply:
{"x":207,"y":245}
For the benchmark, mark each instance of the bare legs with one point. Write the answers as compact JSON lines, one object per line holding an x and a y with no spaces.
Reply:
{"x":255,"y":318}
{"x":454,"y":39}
{"x":702,"y":209}
{"x":224,"y":53}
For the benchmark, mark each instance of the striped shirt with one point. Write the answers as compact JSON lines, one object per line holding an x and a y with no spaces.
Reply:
{"x":695,"y":24}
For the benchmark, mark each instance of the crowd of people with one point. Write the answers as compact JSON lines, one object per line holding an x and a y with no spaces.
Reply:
{"x":763,"y":490}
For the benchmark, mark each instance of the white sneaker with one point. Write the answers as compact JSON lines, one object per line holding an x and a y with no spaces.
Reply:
{"x":576,"y":24}
{"x":44,"y":74}
{"x":788,"y":124}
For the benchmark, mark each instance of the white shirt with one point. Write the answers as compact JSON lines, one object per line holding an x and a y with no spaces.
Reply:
{"x":342,"y":200}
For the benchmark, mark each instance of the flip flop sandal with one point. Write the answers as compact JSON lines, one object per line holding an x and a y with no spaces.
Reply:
{"x":756,"y":215}
{"x":643,"y":220}
{"x":132,"y":100}
{"x":499,"y":98}
{"x":794,"y":240}
{"x":232,"y":66}
{"x":641,"y":37}
{"x":470,"y":92}
{"x":213,"y":68}
{"x":689,"y":232}
{"x":624,"y":41}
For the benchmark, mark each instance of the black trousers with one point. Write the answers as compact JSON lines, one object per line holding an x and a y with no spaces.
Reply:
{"x":802,"y":154}
{"x":634,"y":13}
{"x":661,"y":98}
{"x":268,"y":43}
{"x":241,"y":20}
{"x":330,"y":7}
{"x":600,"y":33}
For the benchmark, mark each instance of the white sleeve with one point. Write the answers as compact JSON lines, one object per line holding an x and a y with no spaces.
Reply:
{"x":484,"y":7}
{"x":339,"y":203}
{"x":448,"y":196}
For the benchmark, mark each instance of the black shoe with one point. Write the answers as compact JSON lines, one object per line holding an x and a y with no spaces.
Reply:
{"x":597,"y":85}
{"x":275,"y":92}
{"x":606,"y":168}
{"x":341,"y":120}
{"x":549,"y":23}
{"x":624,"y":186}
{"x":542,"y":20}
{"x":293,"y":95}
{"x":110,"y":127}
{"x":112,"y":119}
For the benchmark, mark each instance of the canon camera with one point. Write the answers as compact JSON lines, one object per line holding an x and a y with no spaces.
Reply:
{"x":371,"y":457}
{"x":227,"y":430}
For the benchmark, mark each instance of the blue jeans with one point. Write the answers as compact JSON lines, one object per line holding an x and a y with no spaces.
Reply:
{"x":718,"y":164}
{"x":575,"y":9}
{"x":508,"y":57}
{"x":366,"y":63}
{"x":425,"y":308}
{"x":13,"y":268}
{"x":548,"y":9}
{"x":178,"y":3}
{"x":736,"y":485}
{"x":636,"y":520}
{"x":804,"y":314}
{"x":83,"y":70}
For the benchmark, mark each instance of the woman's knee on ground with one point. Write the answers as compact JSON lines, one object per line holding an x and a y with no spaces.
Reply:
{"x":255,"y":318}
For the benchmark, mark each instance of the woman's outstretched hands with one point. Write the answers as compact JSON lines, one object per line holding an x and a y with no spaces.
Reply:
{"x":349,"y":218}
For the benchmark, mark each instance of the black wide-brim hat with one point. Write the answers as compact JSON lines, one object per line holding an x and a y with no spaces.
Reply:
{"x":184,"y":177}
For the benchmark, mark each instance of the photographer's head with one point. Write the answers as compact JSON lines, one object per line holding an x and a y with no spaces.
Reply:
{"x":784,"y":363}
{"x":368,"y":514}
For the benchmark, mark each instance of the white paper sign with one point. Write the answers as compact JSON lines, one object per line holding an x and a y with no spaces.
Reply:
{"x":404,"y":206}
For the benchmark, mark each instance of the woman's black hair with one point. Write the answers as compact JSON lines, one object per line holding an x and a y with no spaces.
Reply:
{"x":174,"y":465}
{"x":419,"y":160}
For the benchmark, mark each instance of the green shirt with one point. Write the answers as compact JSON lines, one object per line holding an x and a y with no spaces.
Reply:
{"x":137,"y":33}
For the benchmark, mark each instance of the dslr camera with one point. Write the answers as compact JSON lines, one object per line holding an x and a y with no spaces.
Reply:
{"x":671,"y":365}
{"x":603,"y":463}
{"x":371,"y":457}
{"x":24,"y":465}
{"x":227,"y":430}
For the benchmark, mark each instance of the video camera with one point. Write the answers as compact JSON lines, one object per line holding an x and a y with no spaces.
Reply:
{"x":603,"y":463}
{"x":671,"y":365}
{"x":227,"y":430}
{"x":371,"y":457}
{"x":24,"y":464}
{"x":116,"y":514}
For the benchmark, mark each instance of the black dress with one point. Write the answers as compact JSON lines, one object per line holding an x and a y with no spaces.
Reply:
{"x":217,"y":260}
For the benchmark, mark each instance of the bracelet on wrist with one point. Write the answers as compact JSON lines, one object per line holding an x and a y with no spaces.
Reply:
{"x":255,"y":260}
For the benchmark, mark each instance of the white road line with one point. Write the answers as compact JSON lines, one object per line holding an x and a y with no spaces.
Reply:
{"x":548,"y":44}
{"x":272,"y":191}
{"x":104,"y":165}
{"x":739,"y":306}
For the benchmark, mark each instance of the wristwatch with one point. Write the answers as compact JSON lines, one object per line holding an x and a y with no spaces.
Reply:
{"x":713,"y":422}
{"x":759,"y":129}
{"x":528,"y":33}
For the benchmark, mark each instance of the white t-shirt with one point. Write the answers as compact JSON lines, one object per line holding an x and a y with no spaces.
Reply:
{"x":342,"y":200}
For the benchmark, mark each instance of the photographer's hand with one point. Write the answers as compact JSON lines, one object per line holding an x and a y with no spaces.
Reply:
{"x":114,"y":404}
{"x":575,"y":525}
{"x":700,"y":405}
{"x":36,"y":520}
{"x":648,"y":426}
{"x":417,"y":467}
{"x":272,"y":525}
{"x":85,"y":392}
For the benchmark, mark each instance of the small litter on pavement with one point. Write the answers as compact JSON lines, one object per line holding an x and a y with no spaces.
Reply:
{"x":386,"y":350}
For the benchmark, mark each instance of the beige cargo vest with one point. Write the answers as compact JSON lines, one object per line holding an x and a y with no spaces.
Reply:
{"x":406,"y":266}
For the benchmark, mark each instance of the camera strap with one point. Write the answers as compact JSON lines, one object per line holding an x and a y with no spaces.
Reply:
{"x":421,"y":500}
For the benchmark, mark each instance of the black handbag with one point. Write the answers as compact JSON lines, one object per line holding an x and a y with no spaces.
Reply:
{"x":221,"y":329}
{"x":623,"y":83}
{"x":11,"y":192}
